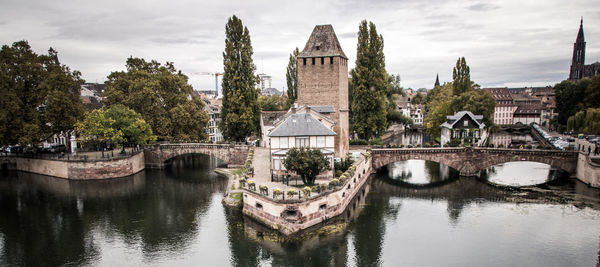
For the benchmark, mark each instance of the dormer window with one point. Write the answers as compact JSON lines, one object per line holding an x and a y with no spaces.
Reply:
{"x":318,"y":47}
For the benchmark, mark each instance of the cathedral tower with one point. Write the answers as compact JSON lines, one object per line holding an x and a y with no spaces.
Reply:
{"x":578,"y":62}
{"x":323,"y":81}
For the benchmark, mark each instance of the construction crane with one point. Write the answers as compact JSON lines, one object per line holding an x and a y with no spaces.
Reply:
{"x":216,"y":74}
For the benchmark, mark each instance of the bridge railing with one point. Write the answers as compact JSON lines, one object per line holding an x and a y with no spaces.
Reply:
{"x":196,"y":145}
{"x":514,"y":151}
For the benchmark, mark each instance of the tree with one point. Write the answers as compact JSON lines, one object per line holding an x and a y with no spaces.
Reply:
{"x":461,"y":77}
{"x":418,"y":99}
{"x":292,"y":77}
{"x":240,"y":113}
{"x":306,"y":162}
{"x":117,"y":124}
{"x":585,"y":121}
{"x":162,"y":96}
{"x":272,"y":103}
{"x":39,"y":96}
{"x":568,"y":95}
{"x":370,"y":84}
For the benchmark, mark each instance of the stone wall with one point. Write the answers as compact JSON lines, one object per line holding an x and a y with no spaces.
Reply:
{"x":588,"y":171}
{"x":83,"y":170}
{"x":292,"y":215}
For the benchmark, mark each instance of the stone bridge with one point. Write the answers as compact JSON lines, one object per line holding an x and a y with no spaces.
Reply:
{"x":469,"y":161}
{"x":157,"y":156}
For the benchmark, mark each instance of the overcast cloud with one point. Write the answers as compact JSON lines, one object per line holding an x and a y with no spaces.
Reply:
{"x":506,"y":43}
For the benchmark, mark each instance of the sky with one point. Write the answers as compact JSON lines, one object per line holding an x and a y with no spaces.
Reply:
{"x":510,"y":43}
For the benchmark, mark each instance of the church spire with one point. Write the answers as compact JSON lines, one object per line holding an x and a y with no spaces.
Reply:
{"x":578,"y":61}
{"x":437,"y":81}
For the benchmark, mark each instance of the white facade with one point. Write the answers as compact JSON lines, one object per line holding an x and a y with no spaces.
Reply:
{"x":503,"y":115}
{"x":212,"y":129}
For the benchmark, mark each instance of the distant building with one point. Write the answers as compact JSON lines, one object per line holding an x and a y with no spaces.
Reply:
{"x":323,"y":80}
{"x":91,"y":95}
{"x":264,"y":81}
{"x":578,"y":68}
{"x":214,"y":118}
{"x":267,"y":122}
{"x":409,"y":110}
{"x":505,"y":107}
{"x":271,"y":92}
{"x":463,"y":127}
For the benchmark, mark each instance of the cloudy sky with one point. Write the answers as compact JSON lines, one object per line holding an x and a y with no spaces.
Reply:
{"x":506,"y":43}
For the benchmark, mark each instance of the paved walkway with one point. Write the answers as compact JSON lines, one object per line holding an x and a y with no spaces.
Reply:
{"x":262,"y":170}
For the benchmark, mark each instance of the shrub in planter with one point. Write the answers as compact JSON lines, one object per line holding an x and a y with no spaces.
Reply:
{"x":343,"y":179}
{"x":306,"y":190}
{"x":291,"y":193}
{"x":277,"y":192}
{"x":264,"y":190}
{"x":315,"y":188}
{"x":251,"y":185}
{"x":243,"y":182}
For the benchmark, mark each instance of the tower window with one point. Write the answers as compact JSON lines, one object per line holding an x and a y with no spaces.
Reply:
{"x":322,"y":60}
{"x":313,"y":61}
{"x":304,"y":61}
{"x":330,"y":60}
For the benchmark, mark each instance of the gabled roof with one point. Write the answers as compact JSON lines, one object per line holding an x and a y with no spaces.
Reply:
{"x":323,"y":109}
{"x":452,"y":119}
{"x":269,"y":117}
{"x":322,"y":43}
{"x":301,"y":125}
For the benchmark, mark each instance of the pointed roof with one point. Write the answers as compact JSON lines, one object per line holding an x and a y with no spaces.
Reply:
{"x":322,"y":43}
{"x":580,"y":36}
{"x":437,"y":81}
{"x":301,"y":125}
{"x":453,"y":119}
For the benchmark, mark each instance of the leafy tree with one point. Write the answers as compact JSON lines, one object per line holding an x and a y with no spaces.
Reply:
{"x":162,"y":96}
{"x":292,"y":77}
{"x":461,"y":77}
{"x":370,"y":84}
{"x":343,"y":164}
{"x":306,"y":162}
{"x":592,"y":92}
{"x":418,"y":99}
{"x":395,"y":87}
{"x":586,"y":121}
{"x":39,"y":96}
{"x":272,"y":103}
{"x":117,"y":124}
{"x":568,"y":95}
{"x":240,"y":113}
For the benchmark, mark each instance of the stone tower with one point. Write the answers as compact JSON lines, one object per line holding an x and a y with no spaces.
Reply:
{"x":578,"y":63}
{"x":323,"y":80}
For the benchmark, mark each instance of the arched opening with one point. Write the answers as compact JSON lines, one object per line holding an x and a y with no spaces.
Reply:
{"x":195,"y":167}
{"x":417,"y":173}
{"x":522,"y":173}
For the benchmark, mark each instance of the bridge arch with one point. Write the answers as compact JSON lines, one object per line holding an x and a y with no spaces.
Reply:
{"x":469,"y":161}
{"x":157,"y":156}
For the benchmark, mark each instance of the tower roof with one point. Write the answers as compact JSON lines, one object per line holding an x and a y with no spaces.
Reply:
{"x":580,"y":33}
{"x":437,"y":81}
{"x":322,"y":43}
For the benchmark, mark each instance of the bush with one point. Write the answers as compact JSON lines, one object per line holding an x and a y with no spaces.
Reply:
{"x":291,"y":193}
{"x":306,"y":190}
{"x":375,"y":142}
{"x":277,"y":192}
{"x":358,"y":142}
{"x":343,"y":164}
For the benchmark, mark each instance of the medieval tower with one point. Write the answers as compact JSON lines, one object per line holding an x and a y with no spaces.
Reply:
{"x":323,"y":81}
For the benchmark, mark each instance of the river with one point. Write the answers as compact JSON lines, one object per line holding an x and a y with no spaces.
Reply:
{"x":416,"y":213}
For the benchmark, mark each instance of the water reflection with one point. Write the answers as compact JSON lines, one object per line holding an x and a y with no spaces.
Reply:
{"x":521,"y":173}
{"x":174,"y":217}
{"x":419,"y":172}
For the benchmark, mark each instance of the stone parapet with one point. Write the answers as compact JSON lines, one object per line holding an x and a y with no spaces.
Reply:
{"x":294,"y":214}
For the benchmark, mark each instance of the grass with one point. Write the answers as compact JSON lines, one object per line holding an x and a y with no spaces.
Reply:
{"x":237,"y":196}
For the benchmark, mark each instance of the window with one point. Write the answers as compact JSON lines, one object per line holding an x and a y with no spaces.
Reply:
{"x":466,"y":123}
{"x":302,"y":141}
{"x":322,"y":61}
{"x":276,"y":164}
{"x":320,"y":141}
{"x":283,"y":142}
{"x":313,"y":61}
{"x":304,"y":61}
{"x":330,"y":60}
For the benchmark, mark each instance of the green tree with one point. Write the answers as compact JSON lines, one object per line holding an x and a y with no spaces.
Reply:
{"x":585,"y":121}
{"x":461,"y":77}
{"x":306,"y":162}
{"x":240,"y":113}
{"x":272,"y":103}
{"x":162,"y":96}
{"x":418,"y":99}
{"x":117,"y":124}
{"x":39,"y":96}
{"x":292,"y":77}
{"x":592,"y":92}
{"x":569,"y":95}
{"x":370,"y":84}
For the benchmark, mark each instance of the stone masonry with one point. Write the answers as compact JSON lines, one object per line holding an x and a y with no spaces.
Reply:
{"x":323,"y":80}
{"x":157,"y":156}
